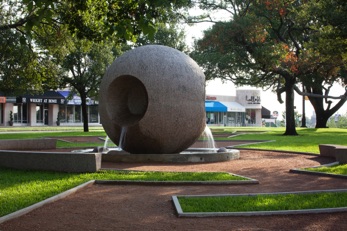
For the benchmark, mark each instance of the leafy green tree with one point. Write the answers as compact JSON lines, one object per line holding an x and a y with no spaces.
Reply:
{"x":44,"y":27}
{"x":324,"y":54}
{"x":84,"y":68}
{"x":338,"y":121}
{"x":297,"y":117}
{"x":21,"y":69}
{"x":254,"y":47}
{"x":94,"y":20}
{"x":276,"y":44}
{"x":168,"y":35}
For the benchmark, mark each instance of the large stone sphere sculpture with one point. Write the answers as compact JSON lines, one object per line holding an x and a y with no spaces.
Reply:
{"x":152,"y":101}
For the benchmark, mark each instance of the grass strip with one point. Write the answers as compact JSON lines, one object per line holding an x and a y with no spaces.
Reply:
{"x":20,"y":188}
{"x":340,"y":169}
{"x":79,"y":145}
{"x":16,"y":129}
{"x":261,"y":202}
{"x":50,"y":134}
{"x":307,"y":140}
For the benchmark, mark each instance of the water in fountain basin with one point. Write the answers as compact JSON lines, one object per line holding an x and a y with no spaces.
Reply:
{"x":108,"y":145}
{"x":122,"y":138}
{"x":105,"y":144}
{"x":208,"y":138}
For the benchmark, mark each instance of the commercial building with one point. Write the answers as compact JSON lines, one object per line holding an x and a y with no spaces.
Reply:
{"x":244,"y":109}
{"x":40,"y":110}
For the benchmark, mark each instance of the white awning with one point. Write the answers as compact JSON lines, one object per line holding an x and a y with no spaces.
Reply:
{"x":234,"y":107}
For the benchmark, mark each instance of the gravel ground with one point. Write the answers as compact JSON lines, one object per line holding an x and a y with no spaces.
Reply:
{"x":149,"y":207}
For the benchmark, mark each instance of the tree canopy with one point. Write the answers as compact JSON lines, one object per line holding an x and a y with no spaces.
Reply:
{"x":269,"y":44}
{"x":41,"y":28}
{"x":44,"y":42}
{"x":84,"y":68}
{"x":326,"y":53}
{"x":168,"y":35}
{"x":254,"y":47}
{"x":94,"y":20}
{"x":21,"y":69}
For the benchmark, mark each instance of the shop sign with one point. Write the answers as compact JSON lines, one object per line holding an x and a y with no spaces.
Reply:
{"x":253,"y":99}
{"x":46,"y":101}
{"x":211,"y":97}
{"x":21,"y":99}
{"x":2,"y":99}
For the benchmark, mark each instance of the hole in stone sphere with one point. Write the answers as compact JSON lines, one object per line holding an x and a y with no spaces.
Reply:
{"x":127,"y":100}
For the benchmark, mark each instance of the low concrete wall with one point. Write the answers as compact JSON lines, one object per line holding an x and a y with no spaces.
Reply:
{"x":341,"y":155}
{"x":28,"y":144}
{"x":338,"y":152}
{"x":123,"y":157}
{"x":327,"y":150}
{"x":51,"y":161}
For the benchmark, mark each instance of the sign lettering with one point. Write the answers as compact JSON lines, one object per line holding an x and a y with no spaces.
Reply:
{"x":211,"y":97}
{"x":49,"y":101}
{"x":253,"y":99}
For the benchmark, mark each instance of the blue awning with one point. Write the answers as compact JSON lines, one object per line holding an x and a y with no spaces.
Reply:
{"x":75,"y":99}
{"x":215,"y":106}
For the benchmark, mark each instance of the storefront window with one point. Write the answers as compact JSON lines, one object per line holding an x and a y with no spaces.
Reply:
{"x":69,"y":113}
{"x":78,"y":113}
{"x":66,"y":112}
{"x":20,"y":113}
{"x":208,"y":117}
{"x":1,"y":111}
{"x":39,"y":114}
{"x":241,"y":118}
{"x":62,"y":113}
{"x":250,"y":117}
{"x":73,"y":113}
{"x":93,"y":114}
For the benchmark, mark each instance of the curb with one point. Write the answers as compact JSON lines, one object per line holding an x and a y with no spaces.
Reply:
{"x":64,"y":194}
{"x":269,"y":150}
{"x":180,"y":212}
{"x":163,"y":183}
{"x":301,"y":171}
{"x":172,"y":183}
{"x":30,"y":208}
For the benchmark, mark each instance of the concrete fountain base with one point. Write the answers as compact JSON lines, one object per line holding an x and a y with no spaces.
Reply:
{"x":190,"y":156}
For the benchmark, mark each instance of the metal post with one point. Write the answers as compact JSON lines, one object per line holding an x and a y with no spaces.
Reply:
{"x":303,"y":119}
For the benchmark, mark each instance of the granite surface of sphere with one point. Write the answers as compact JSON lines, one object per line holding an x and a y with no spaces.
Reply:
{"x":154,"y":98}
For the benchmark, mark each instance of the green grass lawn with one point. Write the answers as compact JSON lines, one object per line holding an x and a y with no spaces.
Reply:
{"x":307,"y":140}
{"x":275,"y":202}
{"x":16,"y":129}
{"x":56,"y":132}
{"x":340,"y":169}
{"x":19,"y":188}
{"x":49,"y":134}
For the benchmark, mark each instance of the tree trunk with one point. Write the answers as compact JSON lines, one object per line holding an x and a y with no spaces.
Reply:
{"x":323,"y":115}
{"x":84,"y":111}
{"x":321,"y":121}
{"x":290,"y":118}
